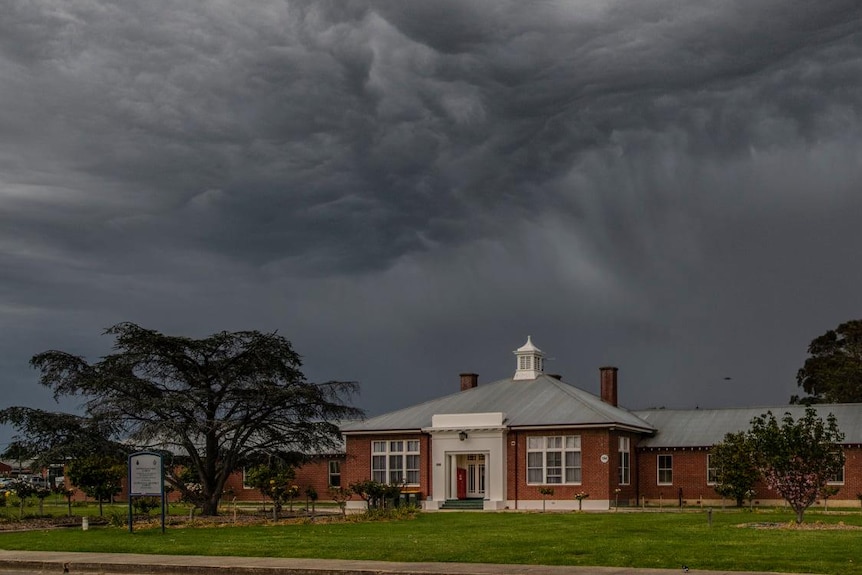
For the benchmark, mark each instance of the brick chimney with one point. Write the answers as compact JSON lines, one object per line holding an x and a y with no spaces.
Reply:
{"x":469,"y":381}
{"x":608,"y":377}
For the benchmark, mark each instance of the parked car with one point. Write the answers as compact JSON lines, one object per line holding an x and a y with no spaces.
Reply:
{"x":37,"y":481}
{"x":34,"y":480}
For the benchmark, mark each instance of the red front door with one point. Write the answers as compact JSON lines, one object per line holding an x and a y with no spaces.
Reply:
{"x":462,"y":483}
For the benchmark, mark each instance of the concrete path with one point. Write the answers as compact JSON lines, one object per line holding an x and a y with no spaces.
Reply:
{"x":32,"y":562}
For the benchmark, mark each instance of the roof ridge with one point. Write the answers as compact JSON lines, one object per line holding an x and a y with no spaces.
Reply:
{"x":746,"y":408}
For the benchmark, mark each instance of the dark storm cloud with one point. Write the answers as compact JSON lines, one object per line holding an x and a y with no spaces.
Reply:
{"x":662,"y":185}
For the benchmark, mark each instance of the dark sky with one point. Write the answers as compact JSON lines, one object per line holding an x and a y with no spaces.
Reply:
{"x":406,"y":190}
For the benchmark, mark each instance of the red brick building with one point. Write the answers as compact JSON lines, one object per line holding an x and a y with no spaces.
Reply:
{"x":533,"y":440}
{"x":321,"y":473}
{"x":674,"y":463}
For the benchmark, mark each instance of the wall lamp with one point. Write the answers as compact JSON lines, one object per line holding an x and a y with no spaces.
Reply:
{"x":462,"y":435}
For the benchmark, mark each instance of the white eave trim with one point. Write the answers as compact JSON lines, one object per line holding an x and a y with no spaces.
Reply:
{"x":381,"y":431}
{"x":608,"y":426}
{"x":440,"y":430}
{"x":431,"y":430}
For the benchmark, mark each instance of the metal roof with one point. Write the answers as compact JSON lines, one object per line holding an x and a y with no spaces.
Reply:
{"x":706,"y":427}
{"x":544,"y":401}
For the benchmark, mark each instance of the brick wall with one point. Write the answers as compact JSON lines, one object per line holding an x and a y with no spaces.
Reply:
{"x":598,"y":479}
{"x":357,"y":466}
{"x":628,"y":493}
{"x":312,"y":474}
{"x":852,"y":475}
{"x":689,"y":475}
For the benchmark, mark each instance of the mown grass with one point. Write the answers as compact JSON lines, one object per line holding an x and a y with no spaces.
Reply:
{"x":636,"y":539}
{"x":56,"y":506}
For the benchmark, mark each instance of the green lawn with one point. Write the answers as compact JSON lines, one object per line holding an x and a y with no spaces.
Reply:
{"x":626,"y":539}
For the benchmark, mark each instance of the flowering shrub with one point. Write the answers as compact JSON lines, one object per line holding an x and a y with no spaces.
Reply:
{"x":580,"y":496}
{"x":275,"y":482}
{"x":797,"y":458}
{"x":341,"y":495}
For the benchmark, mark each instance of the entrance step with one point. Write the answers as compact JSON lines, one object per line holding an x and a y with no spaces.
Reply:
{"x":463,"y":504}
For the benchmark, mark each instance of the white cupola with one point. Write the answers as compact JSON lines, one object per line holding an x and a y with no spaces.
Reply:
{"x":529,"y":361}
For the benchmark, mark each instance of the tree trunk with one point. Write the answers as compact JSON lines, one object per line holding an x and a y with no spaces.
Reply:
{"x":210,"y":507}
{"x":799,"y":515}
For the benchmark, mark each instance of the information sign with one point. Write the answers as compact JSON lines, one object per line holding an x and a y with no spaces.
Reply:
{"x":146,"y":479}
{"x":145,"y":475}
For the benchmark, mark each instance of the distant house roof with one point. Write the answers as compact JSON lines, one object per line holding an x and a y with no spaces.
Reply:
{"x":541,"y":402}
{"x":706,"y":427}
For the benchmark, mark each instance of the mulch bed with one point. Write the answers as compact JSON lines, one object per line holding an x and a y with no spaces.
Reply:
{"x":224,"y":520}
{"x":814,"y":526}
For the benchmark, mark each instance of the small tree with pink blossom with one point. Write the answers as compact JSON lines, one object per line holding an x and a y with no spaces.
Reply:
{"x":797,"y":457}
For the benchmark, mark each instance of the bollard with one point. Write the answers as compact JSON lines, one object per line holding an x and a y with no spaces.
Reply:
{"x":85,"y":523}
{"x":709,"y":516}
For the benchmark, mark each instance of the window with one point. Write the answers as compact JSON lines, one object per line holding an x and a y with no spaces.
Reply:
{"x":395,"y":462}
{"x":245,"y":484}
{"x":625,"y":461}
{"x":334,"y":473}
{"x":554,"y":460}
{"x":378,"y":462}
{"x":711,"y":471}
{"x":838,"y":478}
{"x":665,"y":469}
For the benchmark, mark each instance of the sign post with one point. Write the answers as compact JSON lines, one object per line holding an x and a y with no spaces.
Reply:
{"x":146,"y":479}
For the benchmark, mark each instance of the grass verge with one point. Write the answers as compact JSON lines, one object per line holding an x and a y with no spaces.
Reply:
{"x":652,"y":540}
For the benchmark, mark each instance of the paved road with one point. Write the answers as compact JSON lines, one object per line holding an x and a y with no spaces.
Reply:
{"x":35,"y":562}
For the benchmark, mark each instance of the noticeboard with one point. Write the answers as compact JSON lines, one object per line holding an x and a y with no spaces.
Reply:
{"x":146,"y":477}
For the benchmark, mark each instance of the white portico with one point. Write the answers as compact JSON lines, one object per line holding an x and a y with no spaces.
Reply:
{"x":468,"y":458}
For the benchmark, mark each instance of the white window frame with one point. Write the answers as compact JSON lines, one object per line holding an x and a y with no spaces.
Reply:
{"x":624,"y":475}
{"x":395,"y":461}
{"x":838,"y":478}
{"x":245,"y":485}
{"x":334,"y":473}
{"x":659,"y":468}
{"x":561,"y":460}
{"x":711,"y":471}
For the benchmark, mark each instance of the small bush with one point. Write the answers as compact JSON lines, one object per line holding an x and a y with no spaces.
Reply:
{"x":144,"y":505}
{"x":387,"y":514}
{"x":118,"y":519}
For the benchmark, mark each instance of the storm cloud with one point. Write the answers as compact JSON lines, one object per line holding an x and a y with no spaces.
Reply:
{"x":406,"y":190}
